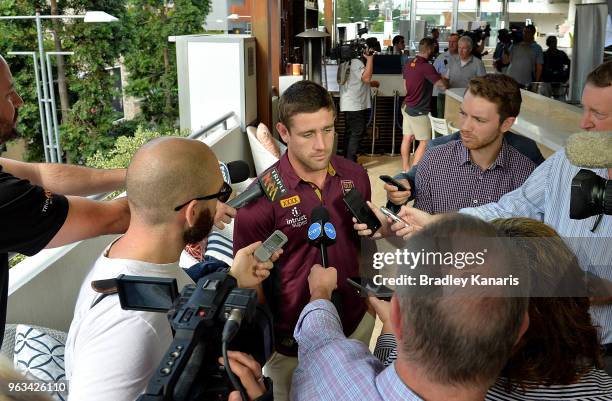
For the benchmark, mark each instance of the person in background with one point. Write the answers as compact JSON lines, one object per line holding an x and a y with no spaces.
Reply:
{"x":441,"y":66}
{"x":556,"y":63}
{"x":435,"y":34}
{"x":464,"y":67}
{"x":398,"y":45}
{"x":354,"y":78}
{"x":526,"y":59}
{"x":419,"y":79}
{"x":501,"y":56}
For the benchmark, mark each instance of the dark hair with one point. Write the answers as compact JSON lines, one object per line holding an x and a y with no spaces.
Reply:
{"x":435,"y":30}
{"x":397,"y":39}
{"x":561,"y":343}
{"x":373,"y":43}
{"x":466,"y":338}
{"x":303,"y":97}
{"x":426,"y":44}
{"x":601,"y":76}
{"x":551,"y":40}
{"x":500,"y":89}
{"x":531,"y":28}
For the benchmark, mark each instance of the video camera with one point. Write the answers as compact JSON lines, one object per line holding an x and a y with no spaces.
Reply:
{"x":350,"y":49}
{"x":207,"y":319}
{"x":591,"y":195}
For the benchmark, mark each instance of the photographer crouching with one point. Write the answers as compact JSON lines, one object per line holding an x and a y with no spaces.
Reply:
{"x":354,"y":77}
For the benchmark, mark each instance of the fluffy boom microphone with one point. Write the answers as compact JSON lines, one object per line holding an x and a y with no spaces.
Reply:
{"x":590,"y":149}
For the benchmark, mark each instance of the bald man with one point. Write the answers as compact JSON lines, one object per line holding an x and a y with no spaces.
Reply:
{"x":111,"y":353}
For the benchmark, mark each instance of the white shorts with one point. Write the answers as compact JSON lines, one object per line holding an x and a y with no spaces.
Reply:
{"x":419,"y":126}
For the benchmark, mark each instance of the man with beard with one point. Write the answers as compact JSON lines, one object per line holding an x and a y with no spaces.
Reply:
{"x":32,"y":213}
{"x":312,"y":177}
{"x":480,"y":166}
{"x":112,"y":353}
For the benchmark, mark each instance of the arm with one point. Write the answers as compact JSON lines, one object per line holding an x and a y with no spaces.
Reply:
{"x":66,"y":179}
{"x":87,"y":219}
{"x":481,"y":69}
{"x":442,"y":83}
{"x":366,"y":77}
{"x":539,"y":63}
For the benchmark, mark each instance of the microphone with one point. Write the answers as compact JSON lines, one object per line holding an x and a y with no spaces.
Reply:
{"x":321,"y":232}
{"x":269,"y":184}
{"x":590,"y":149}
{"x":239,"y":171}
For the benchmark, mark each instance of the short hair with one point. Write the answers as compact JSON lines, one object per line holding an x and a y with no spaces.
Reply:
{"x":561,"y":343}
{"x":550,"y":40}
{"x":531,"y":28}
{"x":373,"y":43}
{"x":303,"y":97}
{"x":426,"y":44}
{"x":459,"y":340}
{"x":397,"y":39}
{"x":435,"y":30}
{"x":454,"y":34}
{"x":467,"y":40}
{"x":601,"y":76}
{"x":499,"y":89}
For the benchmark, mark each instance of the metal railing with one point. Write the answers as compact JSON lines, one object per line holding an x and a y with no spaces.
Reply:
{"x":219,"y":121}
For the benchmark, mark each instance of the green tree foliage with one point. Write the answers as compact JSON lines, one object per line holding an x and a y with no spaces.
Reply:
{"x":140,"y":38}
{"x":20,"y":35}
{"x":151,"y":58}
{"x":351,"y":10}
{"x":96,"y":46}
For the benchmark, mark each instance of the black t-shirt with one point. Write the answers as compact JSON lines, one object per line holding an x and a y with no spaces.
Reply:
{"x":30,"y":217}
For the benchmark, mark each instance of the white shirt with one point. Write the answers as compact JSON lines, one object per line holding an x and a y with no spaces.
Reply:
{"x":354,"y":93}
{"x":112,"y":353}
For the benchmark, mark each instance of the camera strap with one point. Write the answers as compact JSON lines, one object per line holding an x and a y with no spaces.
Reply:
{"x":104,"y":288}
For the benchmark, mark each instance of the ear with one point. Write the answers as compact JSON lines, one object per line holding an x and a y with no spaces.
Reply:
{"x":396,"y":319}
{"x":283,"y":132}
{"x":191,"y":212}
{"x":507,"y":124}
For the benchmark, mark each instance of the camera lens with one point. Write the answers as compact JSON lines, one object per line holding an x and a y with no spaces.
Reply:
{"x":590,"y":195}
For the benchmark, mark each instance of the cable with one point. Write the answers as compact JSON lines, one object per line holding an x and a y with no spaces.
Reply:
{"x":235,"y":382}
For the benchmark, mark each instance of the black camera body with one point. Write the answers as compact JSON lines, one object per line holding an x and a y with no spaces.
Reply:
{"x":190,"y":369}
{"x":348,"y":50}
{"x":590,"y":195}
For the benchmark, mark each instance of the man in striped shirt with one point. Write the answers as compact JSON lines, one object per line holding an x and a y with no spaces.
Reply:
{"x":545,"y":196}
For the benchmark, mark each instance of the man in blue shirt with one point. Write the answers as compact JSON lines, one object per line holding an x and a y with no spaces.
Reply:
{"x":441,"y":357}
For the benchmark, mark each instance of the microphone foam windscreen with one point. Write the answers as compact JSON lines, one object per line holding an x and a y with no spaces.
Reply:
{"x":238,"y":171}
{"x":319,"y":213}
{"x":590,"y":149}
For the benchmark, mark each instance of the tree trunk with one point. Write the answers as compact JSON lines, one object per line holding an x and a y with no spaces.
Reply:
{"x":61,"y":70}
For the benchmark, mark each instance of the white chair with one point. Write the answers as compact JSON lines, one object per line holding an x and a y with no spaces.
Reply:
{"x":262,"y":158}
{"x":438,"y":125}
{"x":452,"y":129}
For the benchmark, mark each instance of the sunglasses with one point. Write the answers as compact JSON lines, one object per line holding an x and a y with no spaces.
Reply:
{"x":223,"y":195}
